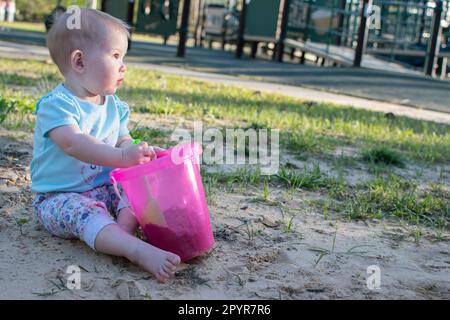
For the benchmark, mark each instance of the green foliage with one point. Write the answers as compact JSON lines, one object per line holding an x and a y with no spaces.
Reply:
{"x":383,"y":155}
{"x":36,"y":11}
{"x":11,"y":107}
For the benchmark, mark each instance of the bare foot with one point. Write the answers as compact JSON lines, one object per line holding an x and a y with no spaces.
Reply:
{"x":113,"y":240}
{"x":162,"y":264}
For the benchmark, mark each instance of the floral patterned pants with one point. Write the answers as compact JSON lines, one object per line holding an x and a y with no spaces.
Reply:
{"x":79,"y":215}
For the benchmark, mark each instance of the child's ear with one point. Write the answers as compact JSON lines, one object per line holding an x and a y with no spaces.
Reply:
{"x":76,"y":61}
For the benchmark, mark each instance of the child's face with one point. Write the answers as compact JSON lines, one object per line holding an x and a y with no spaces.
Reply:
{"x":104,"y":66}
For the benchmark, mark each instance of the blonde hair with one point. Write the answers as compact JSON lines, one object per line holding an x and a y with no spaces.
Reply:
{"x":93,"y":29}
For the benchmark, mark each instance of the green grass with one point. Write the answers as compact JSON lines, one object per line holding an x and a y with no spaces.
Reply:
{"x":385,"y":196}
{"x":211,"y":186}
{"x":383,"y":155}
{"x":394,"y":196}
{"x":155,"y":137}
{"x":382,"y":197}
{"x":15,"y":113}
{"x":307,"y":142}
{"x":317,"y":129}
{"x":266,"y":191}
{"x":241,"y":177}
{"x":23,"y":26}
{"x":306,"y":179}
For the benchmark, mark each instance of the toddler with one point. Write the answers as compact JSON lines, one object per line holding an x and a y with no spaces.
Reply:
{"x":81,"y":135}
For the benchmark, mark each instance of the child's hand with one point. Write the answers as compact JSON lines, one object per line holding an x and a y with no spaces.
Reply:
{"x":157,"y":149}
{"x":138,"y":154}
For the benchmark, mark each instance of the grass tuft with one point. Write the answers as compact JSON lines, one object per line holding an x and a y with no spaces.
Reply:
{"x":383,"y":155}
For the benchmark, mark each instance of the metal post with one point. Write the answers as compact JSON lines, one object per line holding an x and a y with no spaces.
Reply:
{"x":362,"y":32}
{"x":330,"y":25}
{"x":441,"y":72}
{"x":240,"y":39}
{"x":275,"y":51}
{"x":183,"y":28}
{"x":224,"y":31}
{"x":348,"y":27}
{"x":422,"y":21}
{"x":384,"y":13}
{"x":254,"y":49}
{"x":202,"y":26}
{"x":416,"y":24}
{"x":130,"y":15}
{"x":396,"y":32}
{"x":354,"y":23}
{"x":198,"y":22}
{"x":434,"y":42}
{"x":342,"y":4}
{"x":282,"y":37}
{"x":306,"y":32}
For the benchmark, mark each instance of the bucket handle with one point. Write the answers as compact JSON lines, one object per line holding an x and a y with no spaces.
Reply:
{"x":115,"y":187}
{"x":158,"y":154}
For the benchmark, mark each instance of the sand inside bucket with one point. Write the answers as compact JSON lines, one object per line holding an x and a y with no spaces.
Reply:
{"x":181,"y":235}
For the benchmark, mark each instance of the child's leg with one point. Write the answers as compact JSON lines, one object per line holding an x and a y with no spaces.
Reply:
{"x":125,"y":217}
{"x":114,"y":240}
{"x":73,"y":215}
{"x":127,"y":221}
{"x":119,"y":208}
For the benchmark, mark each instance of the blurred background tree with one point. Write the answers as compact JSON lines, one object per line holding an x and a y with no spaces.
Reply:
{"x":35,"y":10}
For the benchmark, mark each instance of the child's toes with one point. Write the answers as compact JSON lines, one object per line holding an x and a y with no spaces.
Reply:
{"x":168,"y":270}
{"x":170,"y":266}
{"x":174,"y":259}
{"x":163,"y":276}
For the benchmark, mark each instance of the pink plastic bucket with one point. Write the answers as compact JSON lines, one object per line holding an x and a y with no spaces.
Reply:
{"x":168,"y":200}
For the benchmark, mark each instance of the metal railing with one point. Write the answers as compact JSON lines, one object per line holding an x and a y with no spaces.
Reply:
{"x":402,"y":28}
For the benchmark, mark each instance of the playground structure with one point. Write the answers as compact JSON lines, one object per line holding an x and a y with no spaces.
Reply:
{"x":368,"y":33}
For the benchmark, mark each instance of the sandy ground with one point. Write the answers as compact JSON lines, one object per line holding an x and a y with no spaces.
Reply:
{"x":256,"y":255}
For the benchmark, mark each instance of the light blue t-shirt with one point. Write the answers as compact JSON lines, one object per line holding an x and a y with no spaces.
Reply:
{"x":52,"y":170}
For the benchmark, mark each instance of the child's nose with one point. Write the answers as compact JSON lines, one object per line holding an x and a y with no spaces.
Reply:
{"x":123,"y":67}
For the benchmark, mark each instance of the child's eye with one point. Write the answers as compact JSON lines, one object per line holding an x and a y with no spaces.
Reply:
{"x":117,"y":56}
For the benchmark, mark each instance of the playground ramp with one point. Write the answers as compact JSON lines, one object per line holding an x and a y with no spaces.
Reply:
{"x":344,"y":56}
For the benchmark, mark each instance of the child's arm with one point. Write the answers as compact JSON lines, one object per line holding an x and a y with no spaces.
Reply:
{"x":124,"y":141}
{"x":90,"y":150}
